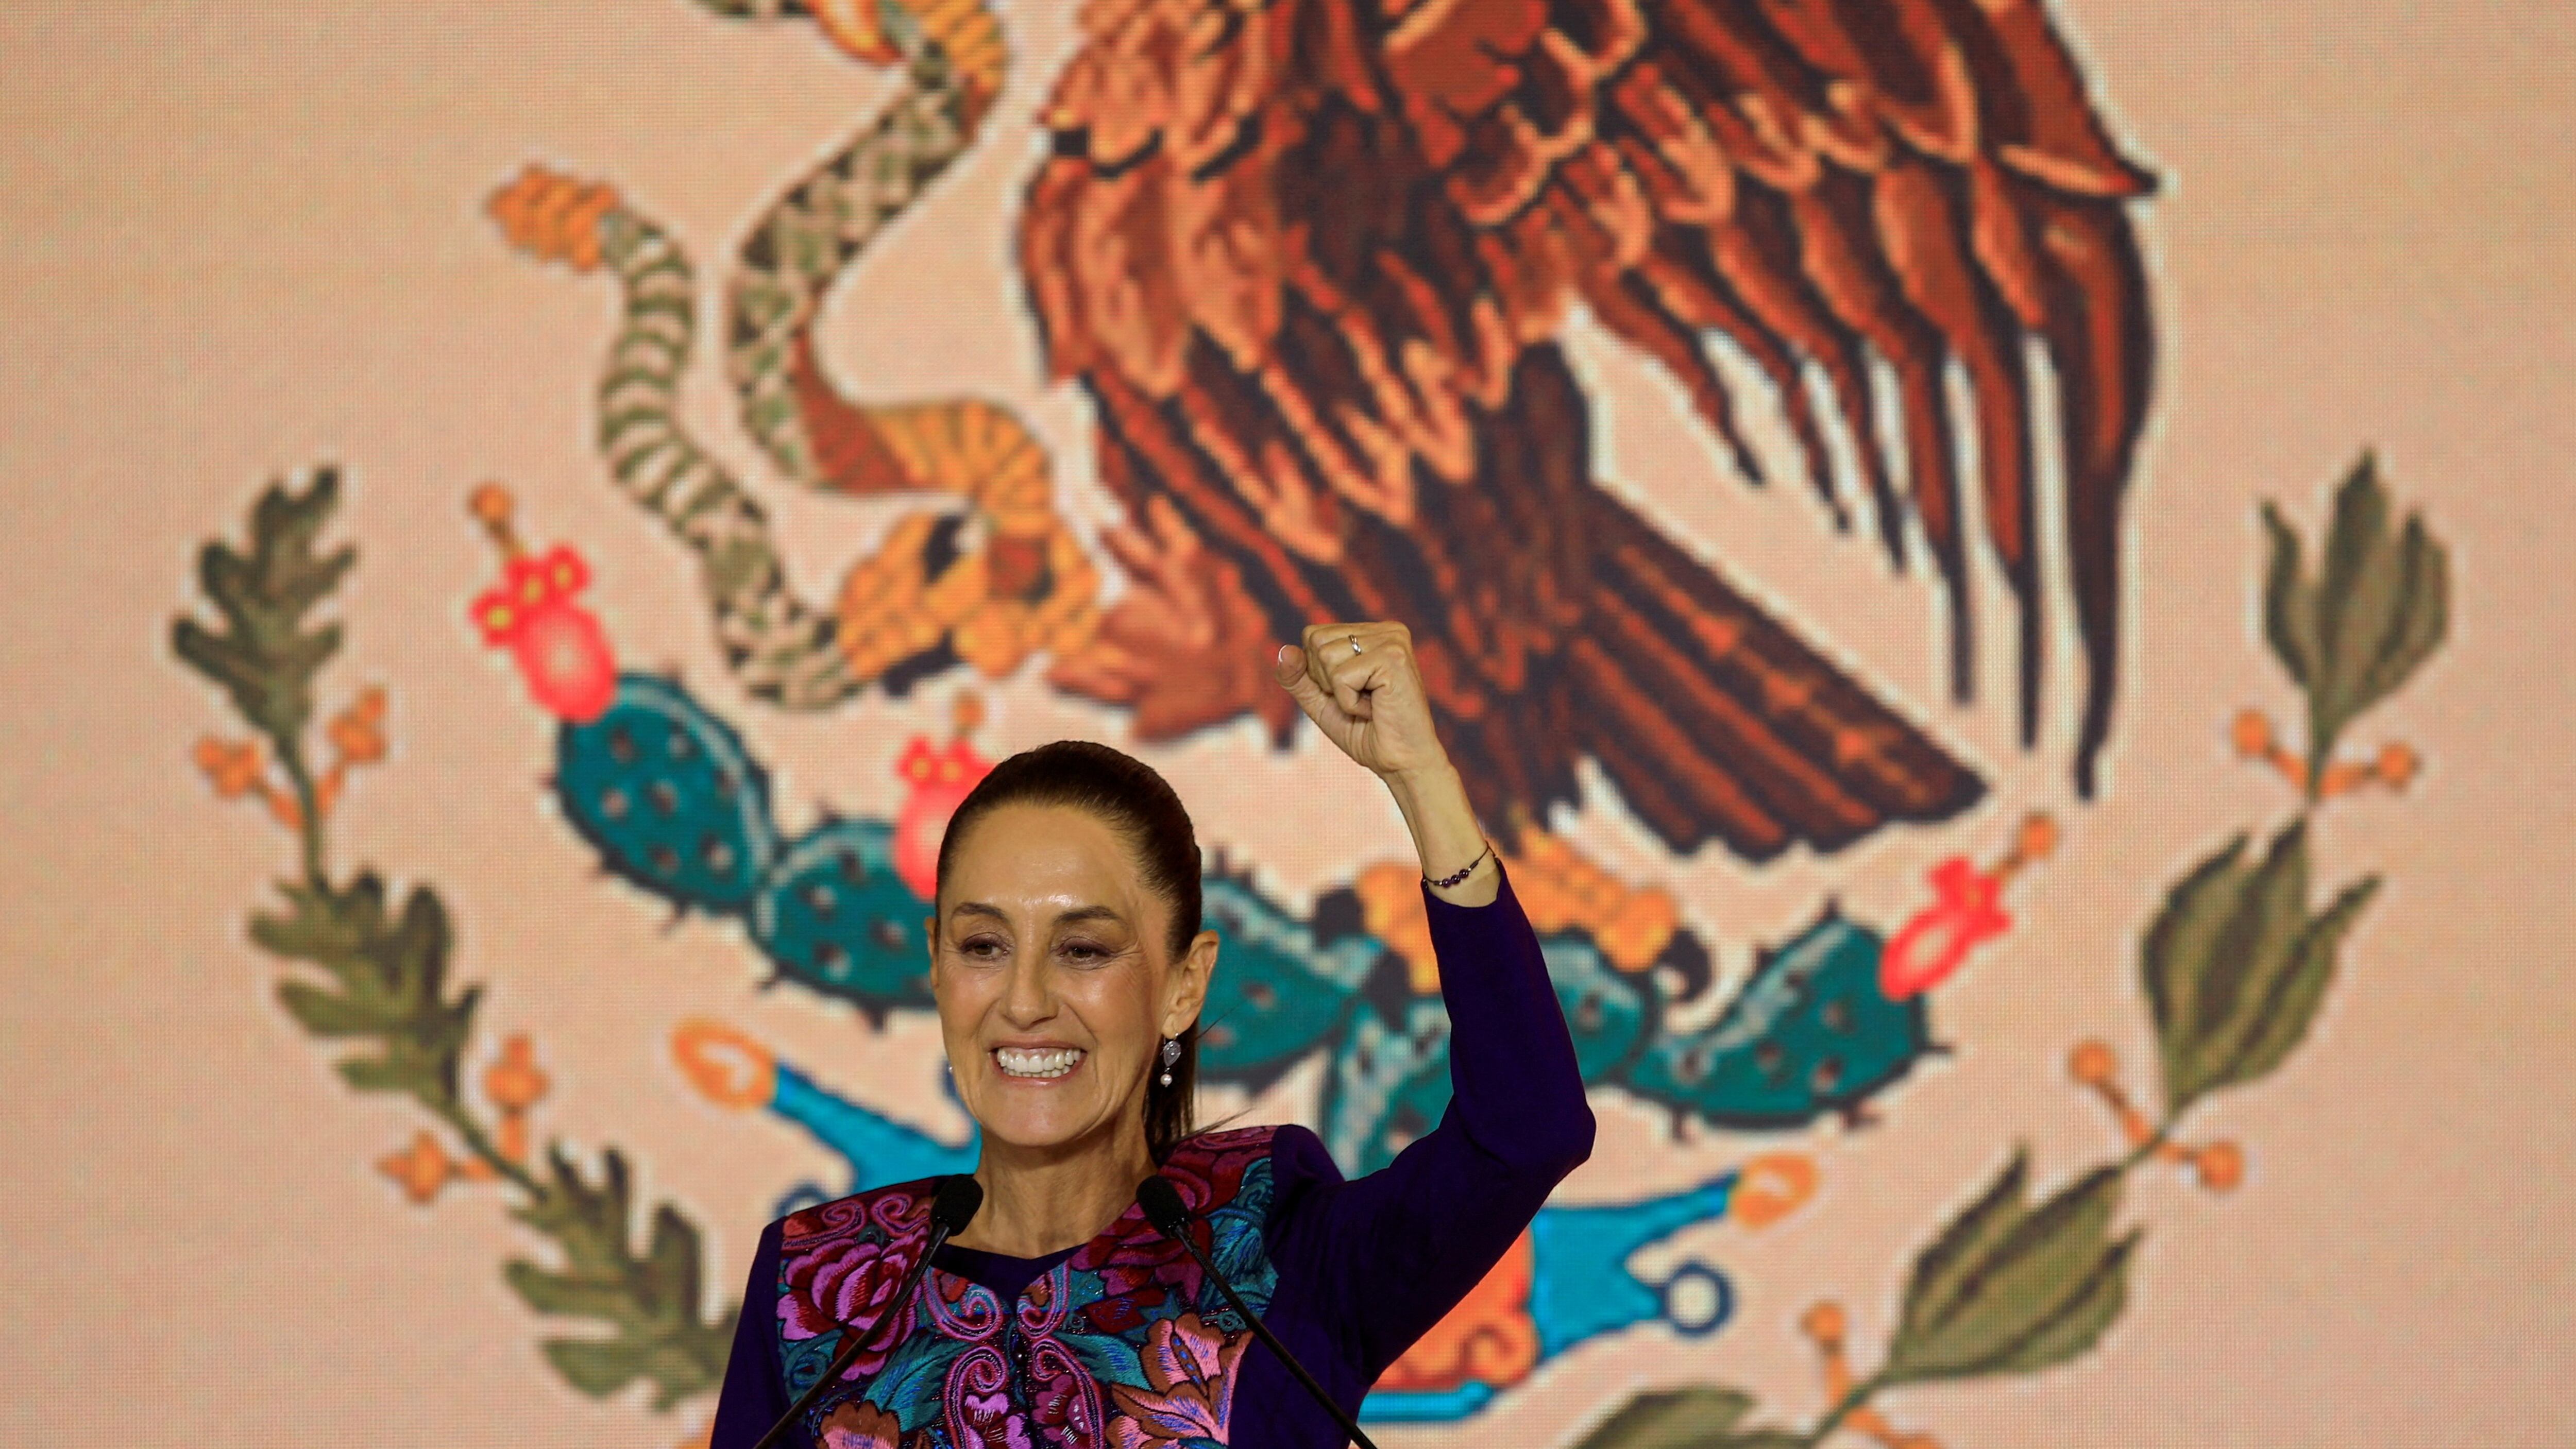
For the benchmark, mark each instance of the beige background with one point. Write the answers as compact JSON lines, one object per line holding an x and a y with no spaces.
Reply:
{"x":237,"y":239}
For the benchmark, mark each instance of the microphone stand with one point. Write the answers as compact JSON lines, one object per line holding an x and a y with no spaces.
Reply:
{"x":1163,"y":1207}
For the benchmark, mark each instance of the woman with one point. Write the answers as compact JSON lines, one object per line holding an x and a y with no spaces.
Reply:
{"x":1069,"y":965}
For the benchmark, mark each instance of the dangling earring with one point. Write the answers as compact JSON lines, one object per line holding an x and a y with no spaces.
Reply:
{"x":1171,"y":1054}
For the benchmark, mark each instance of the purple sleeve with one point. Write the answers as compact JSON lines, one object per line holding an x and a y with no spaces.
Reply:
{"x":754,"y":1395}
{"x":1396,"y":1250}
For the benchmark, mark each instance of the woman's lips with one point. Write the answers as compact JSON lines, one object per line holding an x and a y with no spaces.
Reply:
{"x":1037,"y":1064}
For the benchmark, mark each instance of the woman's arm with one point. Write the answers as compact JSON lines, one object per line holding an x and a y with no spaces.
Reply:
{"x":753,"y":1396}
{"x":1361,"y":687}
{"x":1395,"y":1250}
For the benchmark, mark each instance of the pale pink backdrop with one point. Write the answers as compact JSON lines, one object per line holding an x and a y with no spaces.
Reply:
{"x":237,"y":239}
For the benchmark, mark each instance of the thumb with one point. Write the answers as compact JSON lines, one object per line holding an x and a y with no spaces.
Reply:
{"x":1289,"y":669}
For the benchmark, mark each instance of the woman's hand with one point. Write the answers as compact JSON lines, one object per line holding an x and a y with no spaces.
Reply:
{"x":1361,"y":687}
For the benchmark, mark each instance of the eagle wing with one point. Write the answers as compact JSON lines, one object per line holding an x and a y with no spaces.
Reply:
{"x":1310,"y":258}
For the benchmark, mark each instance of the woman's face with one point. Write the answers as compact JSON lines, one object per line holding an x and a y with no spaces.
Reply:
{"x":1051,"y":963}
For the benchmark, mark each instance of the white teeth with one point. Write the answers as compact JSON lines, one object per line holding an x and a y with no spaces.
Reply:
{"x":1036,"y":1061}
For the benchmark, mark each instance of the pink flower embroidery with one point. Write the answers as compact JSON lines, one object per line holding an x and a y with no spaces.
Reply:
{"x":843,"y":1284}
{"x":1190,"y":1368}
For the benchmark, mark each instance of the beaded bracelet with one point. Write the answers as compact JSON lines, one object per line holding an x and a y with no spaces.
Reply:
{"x":1465,"y":871}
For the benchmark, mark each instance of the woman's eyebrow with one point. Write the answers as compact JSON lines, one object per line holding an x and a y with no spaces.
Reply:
{"x":977,"y":908}
{"x":1090,"y":913}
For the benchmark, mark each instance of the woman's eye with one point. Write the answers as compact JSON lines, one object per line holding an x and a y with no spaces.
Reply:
{"x":983,"y":948}
{"x":1084,"y":953}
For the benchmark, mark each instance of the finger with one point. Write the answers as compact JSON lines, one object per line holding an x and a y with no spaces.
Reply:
{"x":1352,"y":677}
{"x":1329,"y":653}
{"x":1290,"y":669}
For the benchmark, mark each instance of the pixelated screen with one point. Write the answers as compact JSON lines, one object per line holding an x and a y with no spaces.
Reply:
{"x":1995,"y":572}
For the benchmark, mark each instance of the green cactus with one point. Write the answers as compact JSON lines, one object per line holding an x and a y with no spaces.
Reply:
{"x":2375,"y":612}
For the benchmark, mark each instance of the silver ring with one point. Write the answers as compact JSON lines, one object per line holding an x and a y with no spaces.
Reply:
{"x":1355,"y":643}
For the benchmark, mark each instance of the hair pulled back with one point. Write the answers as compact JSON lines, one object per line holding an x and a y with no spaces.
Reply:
{"x":1142,"y":808}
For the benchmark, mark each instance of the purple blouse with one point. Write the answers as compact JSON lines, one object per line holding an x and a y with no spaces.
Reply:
{"x":1118,"y":1343}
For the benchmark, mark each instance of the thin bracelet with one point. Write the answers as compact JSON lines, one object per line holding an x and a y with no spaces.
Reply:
{"x":1465,"y":871}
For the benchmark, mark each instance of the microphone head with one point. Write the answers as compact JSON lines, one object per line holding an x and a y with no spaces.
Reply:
{"x":1163,"y":1205}
{"x":956,"y":1202}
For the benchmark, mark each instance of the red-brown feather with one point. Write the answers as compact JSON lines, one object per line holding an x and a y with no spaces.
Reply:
{"x":1310,"y":257}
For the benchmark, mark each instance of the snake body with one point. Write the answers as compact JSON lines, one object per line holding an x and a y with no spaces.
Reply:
{"x":988,"y":587}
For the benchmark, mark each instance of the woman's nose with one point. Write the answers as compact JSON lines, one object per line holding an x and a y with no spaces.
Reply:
{"x":1026,"y":997}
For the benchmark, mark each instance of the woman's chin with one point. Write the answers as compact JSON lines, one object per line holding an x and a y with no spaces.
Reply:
{"x":1037,"y":1113}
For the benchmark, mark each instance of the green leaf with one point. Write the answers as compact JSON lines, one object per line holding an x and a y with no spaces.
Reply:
{"x":2289,"y":606}
{"x":1945,"y":1272}
{"x":2380,"y":607}
{"x":571,"y":1294}
{"x":2252,"y":947}
{"x":386,"y":984}
{"x":1692,"y":1418}
{"x":2353,"y":540}
{"x":652,"y":1302}
{"x":2019,"y":1285}
{"x":2176,"y":952}
{"x":264,"y":656}
{"x":671,"y":1264}
{"x":2418,"y":617}
{"x":2276,"y":1030}
{"x":597,"y":1367}
{"x":329,"y":1014}
{"x":2081,"y":1319}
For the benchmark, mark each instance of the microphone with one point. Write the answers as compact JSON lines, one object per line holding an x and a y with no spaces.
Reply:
{"x":953,"y":1205}
{"x":1171,"y":1217}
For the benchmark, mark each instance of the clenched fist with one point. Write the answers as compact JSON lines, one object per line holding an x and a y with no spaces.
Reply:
{"x":1359,"y":684}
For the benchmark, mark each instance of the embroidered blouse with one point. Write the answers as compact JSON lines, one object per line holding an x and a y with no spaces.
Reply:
{"x":1118,"y":1343}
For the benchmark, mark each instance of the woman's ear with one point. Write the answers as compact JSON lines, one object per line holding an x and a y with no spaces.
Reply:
{"x":1188,"y":987}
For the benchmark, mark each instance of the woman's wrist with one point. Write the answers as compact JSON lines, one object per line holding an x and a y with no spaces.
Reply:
{"x":1446,"y":837}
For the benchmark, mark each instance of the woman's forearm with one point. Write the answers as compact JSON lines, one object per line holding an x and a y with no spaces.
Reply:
{"x":1445,"y":833}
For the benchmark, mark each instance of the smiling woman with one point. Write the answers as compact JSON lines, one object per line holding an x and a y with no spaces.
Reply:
{"x":1069,"y":962}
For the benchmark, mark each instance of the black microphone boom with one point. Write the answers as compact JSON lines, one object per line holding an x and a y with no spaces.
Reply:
{"x":1171,"y":1217}
{"x":953,"y":1204}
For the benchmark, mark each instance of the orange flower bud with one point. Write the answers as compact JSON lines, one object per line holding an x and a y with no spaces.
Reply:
{"x":2221,"y":1166}
{"x":233,"y":769}
{"x":421,"y":1169}
{"x":2252,"y":734}
{"x":2092,"y":1064}
{"x":1824,"y":1323}
{"x":2397,"y":765}
{"x":515,"y":1082}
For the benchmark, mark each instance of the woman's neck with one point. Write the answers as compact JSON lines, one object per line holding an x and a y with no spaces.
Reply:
{"x":1044,"y":1201}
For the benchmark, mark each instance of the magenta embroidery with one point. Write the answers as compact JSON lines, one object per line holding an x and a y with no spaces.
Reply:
{"x":1121,"y":1346}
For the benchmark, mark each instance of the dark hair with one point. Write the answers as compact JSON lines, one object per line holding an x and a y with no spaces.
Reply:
{"x":1140,"y":805}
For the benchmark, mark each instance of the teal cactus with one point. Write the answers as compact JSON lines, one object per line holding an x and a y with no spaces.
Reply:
{"x":668,"y":796}
{"x":834,"y":906}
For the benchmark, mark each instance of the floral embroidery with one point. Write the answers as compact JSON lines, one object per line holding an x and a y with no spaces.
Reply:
{"x":1189,"y":1373}
{"x":857,"y":1424}
{"x":840,"y":1263}
{"x":1113,"y":1349}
